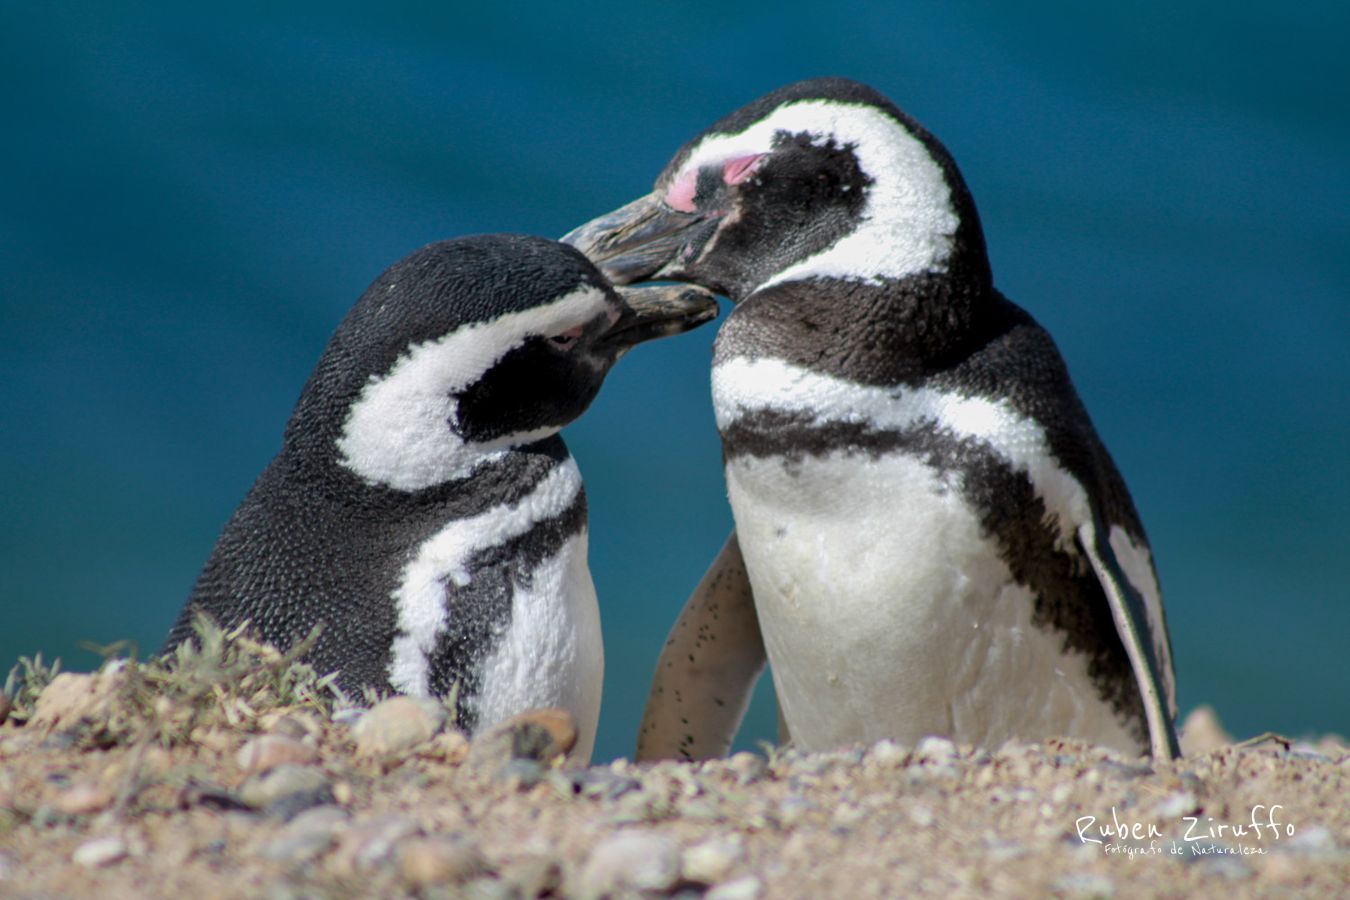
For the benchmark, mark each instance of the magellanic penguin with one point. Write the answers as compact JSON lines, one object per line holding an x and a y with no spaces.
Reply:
{"x":934,"y":536}
{"x":423,"y":506}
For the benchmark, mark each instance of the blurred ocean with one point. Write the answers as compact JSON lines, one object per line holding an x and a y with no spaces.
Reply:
{"x":190,"y":199}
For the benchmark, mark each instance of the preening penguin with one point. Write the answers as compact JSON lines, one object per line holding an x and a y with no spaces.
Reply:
{"x":423,"y":506}
{"x":934,"y":537}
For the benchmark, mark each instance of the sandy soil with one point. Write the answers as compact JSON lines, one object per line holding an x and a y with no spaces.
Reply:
{"x":120,"y":785}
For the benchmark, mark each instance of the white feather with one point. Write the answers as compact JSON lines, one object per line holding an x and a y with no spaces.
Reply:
{"x":742,"y":385}
{"x":907,"y":220}
{"x":400,"y":432}
{"x":420,"y":598}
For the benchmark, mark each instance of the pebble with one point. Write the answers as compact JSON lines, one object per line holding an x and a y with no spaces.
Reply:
{"x":1315,"y":839}
{"x":307,"y":836}
{"x":83,"y":798}
{"x":542,"y":735}
{"x":794,"y":809}
{"x":99,"y":852}
{"x":938,"y":749}
{"x":522,"y":774}
{"x":1085,"y":884}
{"x":747,"y":887}
{"x":629,"y":861}
{"x":287,"y":790}
{"x":712,"y":861}
{"x":428,"y":861}
{"x":1231,"y":868}
{"x":72,"y":696}
{"x":888,"y":754}
{"x":1174,"y":806}
{"x":846,"y":816}
{"x":749,"y":767}
{"x":535,"y":877}
{"x":604,"y":784}
{"x":922,"y":816}
{"x":1202,"y":732}
{"x":295,"y":724}
{"x":266,"y":752}
{"x":398,"y":725}
{"x":369,"y":842}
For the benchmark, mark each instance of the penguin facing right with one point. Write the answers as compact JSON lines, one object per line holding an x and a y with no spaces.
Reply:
{"x":930,"y":536}
{"x":423,"y":507}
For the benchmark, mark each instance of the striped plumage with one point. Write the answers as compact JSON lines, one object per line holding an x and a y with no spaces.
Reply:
{"x":934,"y":536}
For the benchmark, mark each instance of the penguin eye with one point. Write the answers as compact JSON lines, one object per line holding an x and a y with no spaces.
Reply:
{"x":566,"y":340}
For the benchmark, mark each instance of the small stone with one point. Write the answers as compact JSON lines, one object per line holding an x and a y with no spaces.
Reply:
{"x":522,"y":774}
{"x":1314,"y":839}
{"x":888,"y":754}
{"x":711,"y":861}
{"x":425,"y":862}
{"x":1174,"y":806}
{"x":267,"y":751}
{"x":369,"y":842}
{"x":450,"y":746}
{"x":794,"y":809}
{"x":749,"y":767}
{"x":747,"y":887}
{"x":287,"y":790}
{"x":846,"y":816}
{"x":1085,"y":884}
{"x":605,"y":784}
{"x":542,"y":735}
{"x":295,"y":724}
{"x":72,"y":696}
{"x":629,"y":861}
{"x":922,"y":816}
{"x":536,"y":876}
{"x":307,"y":836}
{"x":99,"y":852}
{"x":1227,"y":867}
{"x":343,"y":794}
{"x":1202,"y":732}
{"x":937,"y":749}
{"x":398,"y":725}
{"x":83,"y":798}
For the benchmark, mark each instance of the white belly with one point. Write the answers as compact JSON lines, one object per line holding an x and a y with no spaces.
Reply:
{"x":886,"y":613}
{"x":551,"y":653}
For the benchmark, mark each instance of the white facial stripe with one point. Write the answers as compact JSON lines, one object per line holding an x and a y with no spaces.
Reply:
{"x":741,"y":386}
{"x":420,"y":596}
{"x":907,"y":221}
{"x":399,"y":433}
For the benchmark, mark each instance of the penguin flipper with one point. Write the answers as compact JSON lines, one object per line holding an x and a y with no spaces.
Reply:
{"x":707,"y":670}
{"x":1133,"y":625}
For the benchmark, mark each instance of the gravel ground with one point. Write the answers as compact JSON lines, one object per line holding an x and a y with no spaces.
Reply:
{"x":260,"y":796}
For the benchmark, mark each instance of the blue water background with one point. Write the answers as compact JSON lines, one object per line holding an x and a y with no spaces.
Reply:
{"x":191,"y":198}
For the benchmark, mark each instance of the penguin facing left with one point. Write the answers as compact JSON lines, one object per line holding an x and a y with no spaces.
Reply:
{"x":423,"y":506}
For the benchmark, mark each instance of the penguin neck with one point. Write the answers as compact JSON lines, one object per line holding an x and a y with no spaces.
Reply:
{"x":875,"y":334}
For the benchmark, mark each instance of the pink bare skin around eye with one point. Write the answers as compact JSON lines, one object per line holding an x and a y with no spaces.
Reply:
{"x":680,"y":196}
{"x":681,"y":193}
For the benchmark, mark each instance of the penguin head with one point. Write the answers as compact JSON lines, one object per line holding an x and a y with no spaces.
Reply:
{"x":819,"y":179}
{"x":469,"y":347}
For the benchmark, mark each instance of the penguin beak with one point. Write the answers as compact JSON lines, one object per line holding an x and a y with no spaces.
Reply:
{"x":641,"y":239}
{"x":658,"y":311}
